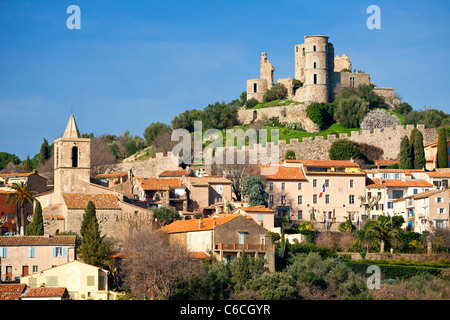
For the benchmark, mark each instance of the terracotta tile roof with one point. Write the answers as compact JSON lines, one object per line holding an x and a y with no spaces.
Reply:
{"x":257,"y":209}
{"x":194,"y":224}
{"x":11,"y":291}
{"x":45,"y":292}
{"x":80,"y":200}
{"x":160,"y":184}
{"x":428,"y":193}
{"x":111,"y":175}
{"x":286,"y":173}
{"x":438,"y":174}
{"x":25,"y":174}
{"x":325,"y":163}
{"x":216,"y":179}
{"x":374,"y":183}
{"x":407,"y":183}
{"x":174,"y":173}
{"x":36,"y":240}
{"x":199,"y":255}
{"x":385,"y":162}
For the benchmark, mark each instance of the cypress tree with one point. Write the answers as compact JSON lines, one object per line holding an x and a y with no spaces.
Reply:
{"x":419,"y":153}
{"x":36,"y":226}
{"x":27,"y":165}
{"x":442,"y":156}
{"x":404,"y":158}
{"x":89,"y":214}
{"x":93,"y":249}
{"x":412,"y":138}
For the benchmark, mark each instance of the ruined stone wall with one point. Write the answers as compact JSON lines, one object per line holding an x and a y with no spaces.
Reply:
{"x":341,"y":63}
{"x":151,"y":167}
{"x":291,"y":113}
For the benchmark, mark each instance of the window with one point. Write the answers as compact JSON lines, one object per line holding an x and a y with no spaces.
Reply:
{"x":327,"y":198}
{"x":90,"y":280}
{"x":241,"y":237}
{"x":351,"y":183}
{"x":299,"y":186}
{"x":396,"y":194}
{"x":315,"y":65}
{"x":219,"y":189}
{"x":441,"y":210}
{"x":271,"y":199}
{"x":74,"y":157}
{"x":283,"y":199}
{"x":327,"y":183}
{"x":396,"y":175}
{"x":314,"y":183}
{"x":101,"y":283}
{"x":3,"y":252}
{"x":390,"y":205}
{"x":415,"y":191}
{"x":30,"y":252}
{"x":352,"y":81}
{"x":314,"y":198}
{"x":438,"y":199}
{"x":271,"y":186}
{"x":315,"y":79}
{"x":300,"y":199}
{"x":35,"y":269}
{"x":300,"y":214}
{"x":255,"y":87}
{"x":58,"y":252}
{"x":351,"y":199}
{"x":283,"y":186}
{"x":314,"y":48}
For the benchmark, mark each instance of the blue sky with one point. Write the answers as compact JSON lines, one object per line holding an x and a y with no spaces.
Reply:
{"x":137,"y":62}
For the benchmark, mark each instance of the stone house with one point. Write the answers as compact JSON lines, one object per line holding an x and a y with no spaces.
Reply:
{"x":375,"y":198}
{"x":264,"y":216}
{"x":63,"y":206}
{"x":321,"y":190}
{"x":113,"y":178}
{"x":223,"y":236}
{"x":430,"y":150}
{"x":206,"y":191}
{"x":22,"y":255}
{"x":83,"y":281}
{"x":167,"y":192}
{"x":424,"y":211}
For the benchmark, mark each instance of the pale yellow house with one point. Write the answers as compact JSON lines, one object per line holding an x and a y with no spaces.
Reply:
{"x":83,"y":281}
{"x":264,"y":216}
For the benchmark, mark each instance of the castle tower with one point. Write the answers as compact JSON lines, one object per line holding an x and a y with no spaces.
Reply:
{"x":72,"y":161}
{"x":314,"y":66}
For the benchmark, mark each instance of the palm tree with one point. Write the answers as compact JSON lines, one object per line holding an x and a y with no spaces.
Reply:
{"x":383,"y":230}
{"x":21,"y":194}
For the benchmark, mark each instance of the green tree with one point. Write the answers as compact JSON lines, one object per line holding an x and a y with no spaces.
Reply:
{"x":253,"y":187}
{"x":419,"y":153}
{"x":321,"y":114}
{"x":94,"y":250}
{"x":185,"y":120}
{"x":44,"y":152}
{"x":36,"y":227}
{"x":344,"y":149}
{"x":6,"y":158}
{"x":250,"y":103}
{"x":350,"y":111}
{"x":404,"y":158}
{"x":21,"y":194}
{"x":290,"y":154}
{"x":153,"y":130}
{"x":219,"y":115}
{"x":277,"y":92}
{"x":164,"y":216}
{"x":89,"y":214}
{"x":442,"y":157}
{"x":382,"y":230}
{"x":27,"y":165}
{"x":241,"y":271}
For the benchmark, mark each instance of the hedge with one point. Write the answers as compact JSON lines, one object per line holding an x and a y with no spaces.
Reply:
{"x":391,"y":271}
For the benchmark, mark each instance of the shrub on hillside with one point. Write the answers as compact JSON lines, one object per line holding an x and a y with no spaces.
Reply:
{"x":321,"y":114}
{"x":344,"y":149}
{"x":277,"y":92}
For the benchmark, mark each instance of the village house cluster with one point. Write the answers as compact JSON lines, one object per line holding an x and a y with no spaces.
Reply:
{"x":212,"y":222}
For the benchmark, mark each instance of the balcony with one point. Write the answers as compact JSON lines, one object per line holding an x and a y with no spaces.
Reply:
{"x":235,"y":247}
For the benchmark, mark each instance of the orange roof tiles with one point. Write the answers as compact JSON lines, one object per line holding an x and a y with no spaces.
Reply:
{"x":11,"y":291}
{"x":25,"y":174}
{"x":194,"y":225}
{"x":257,"y":209}
{"x":45,"y":292}
{"x":160,"y":184}
{"x":286,"y":173}
{"x":438,"y":174}
{"x":407,"y":183}
{"x":174,"y":173}
{"x":80,"y":200}
{"x":111,"y":175}
{"x":36,"y":240}
{"x":374,"y":183}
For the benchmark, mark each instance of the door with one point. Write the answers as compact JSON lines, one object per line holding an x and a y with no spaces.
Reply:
{"x":24,"y":271}
{"x":8,"y":273}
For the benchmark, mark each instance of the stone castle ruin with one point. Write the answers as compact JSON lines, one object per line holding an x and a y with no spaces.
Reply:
{"x":320,"y":72}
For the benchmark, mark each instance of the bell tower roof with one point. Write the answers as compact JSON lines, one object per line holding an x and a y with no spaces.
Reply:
{"x":72,"y":129}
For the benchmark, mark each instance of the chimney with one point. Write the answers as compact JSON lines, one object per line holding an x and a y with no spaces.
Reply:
{"x":214,"y":223}
{"x":200,"y":223}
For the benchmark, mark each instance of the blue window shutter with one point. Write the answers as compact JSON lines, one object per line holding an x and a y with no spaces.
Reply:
{"x":53,"y":252}
{"x":63,"y":251}
{"x":4,"y":252}
{"x":29,"y":252}
{"x":32,"y":252}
